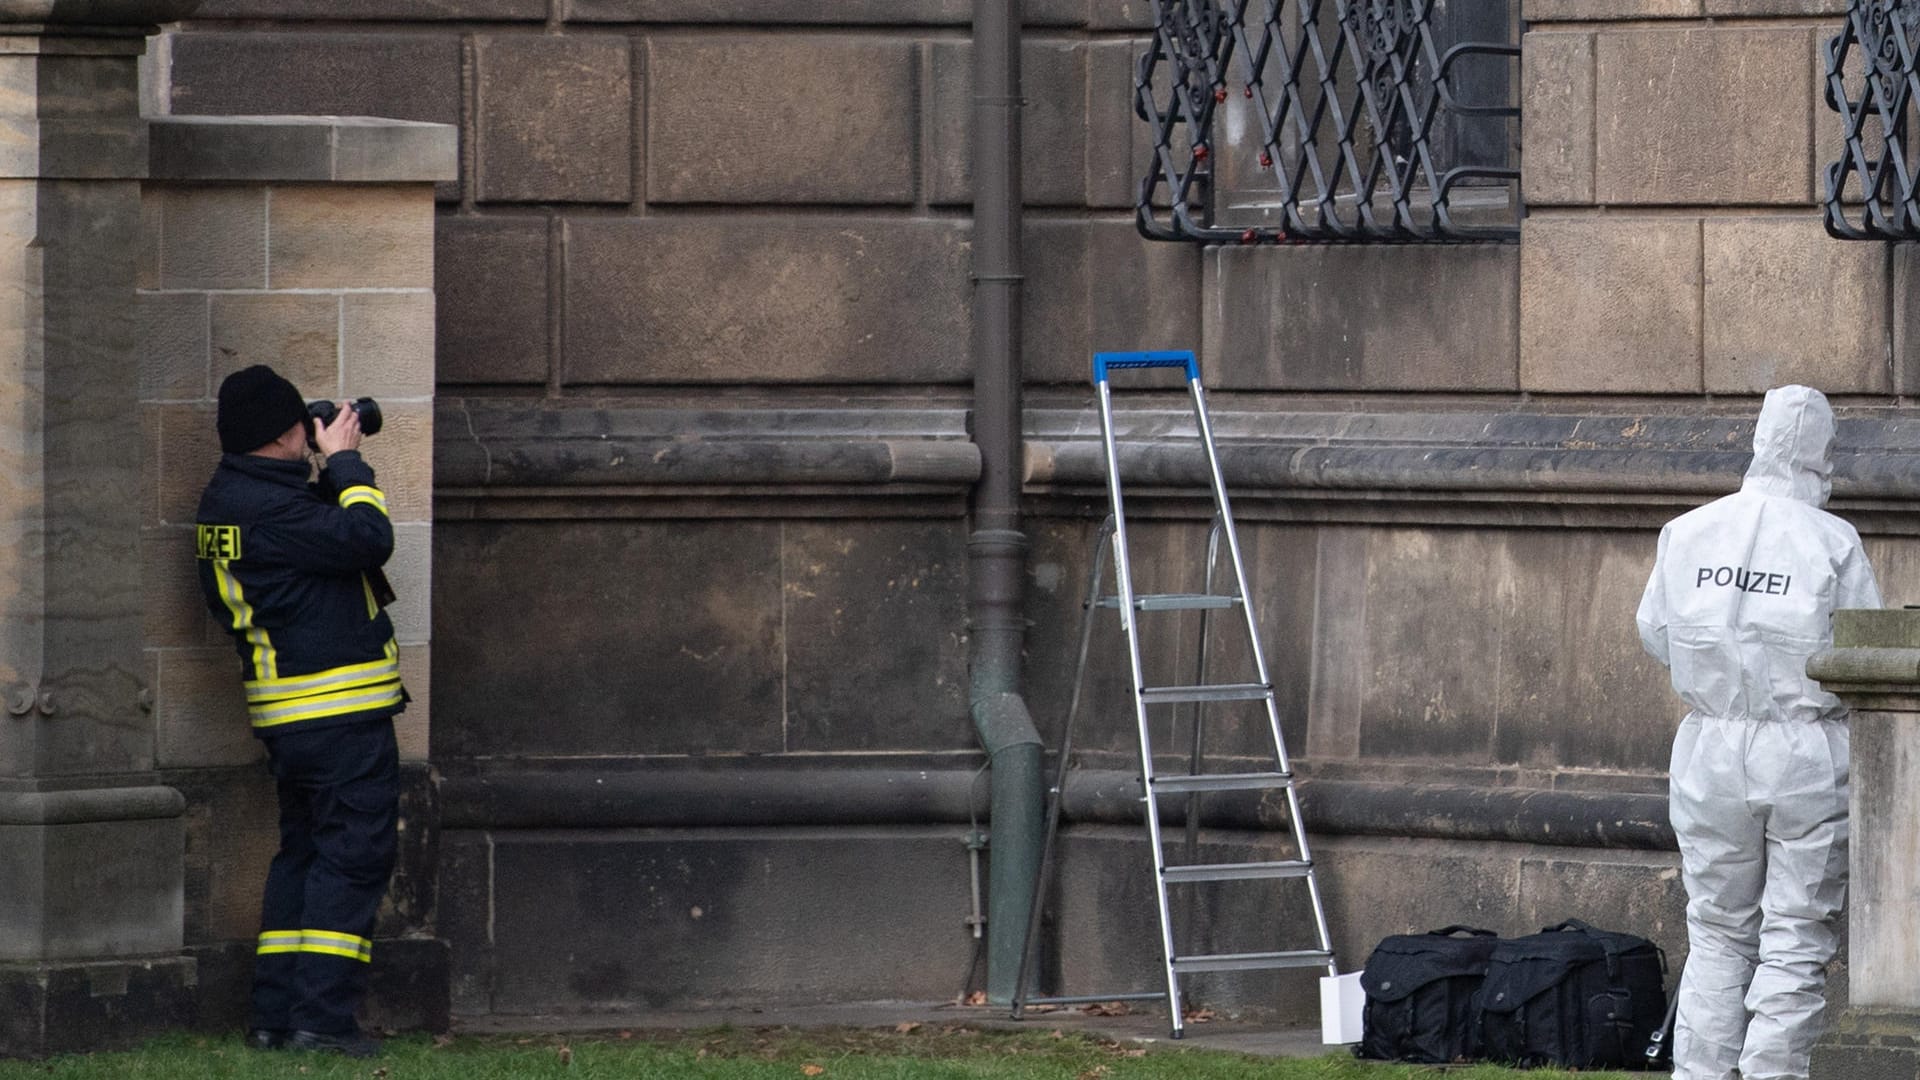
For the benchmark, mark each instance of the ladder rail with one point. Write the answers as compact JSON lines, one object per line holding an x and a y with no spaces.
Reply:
{"x":1123,"y":582}
{"x":1224,"y":506}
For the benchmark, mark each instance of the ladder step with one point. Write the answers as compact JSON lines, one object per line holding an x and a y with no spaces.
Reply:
{"x":1174,"y":601}
{"x":1252,"y":961}
{"x":1249,"y":781}
{"x":1167,"y":695}
{"x":1247,"y":871}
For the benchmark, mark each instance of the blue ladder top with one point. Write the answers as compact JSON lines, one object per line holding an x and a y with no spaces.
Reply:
{"x":1170,"y":358}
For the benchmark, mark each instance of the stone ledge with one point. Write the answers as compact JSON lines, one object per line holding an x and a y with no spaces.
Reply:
{"x":347,"y":149}
{"x":91,"y":804}
{"x":637,"y":794}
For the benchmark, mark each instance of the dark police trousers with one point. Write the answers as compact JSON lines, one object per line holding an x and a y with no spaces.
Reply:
{"x":339,"y":804}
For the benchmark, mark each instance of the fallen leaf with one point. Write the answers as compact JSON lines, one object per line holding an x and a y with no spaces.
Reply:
{"x":626,"y":1034}
{"x":978,"y":997}
{"x":702,"y":1053}
{"x":812,"y":1070}
{"x":1095,"y":1073}
{"x":1199,"y":1016}
{"x":382,"y":1073}
{"x":1108,"y":1008}
{"x":907,"y":1027}
{"x":442,"y":1041}
{"x":566,"y":1055}
{"x":1056,"y":1033}
{"x":1133,"y":1053}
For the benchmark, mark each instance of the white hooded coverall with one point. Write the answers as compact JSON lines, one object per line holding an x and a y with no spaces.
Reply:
{"x":1742,"y":593}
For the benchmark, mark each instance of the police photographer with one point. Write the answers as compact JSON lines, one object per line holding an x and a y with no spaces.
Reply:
{"x":292,"y":569}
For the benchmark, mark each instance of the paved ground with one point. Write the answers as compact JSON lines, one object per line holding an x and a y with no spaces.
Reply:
{"x":1141,"y":1024}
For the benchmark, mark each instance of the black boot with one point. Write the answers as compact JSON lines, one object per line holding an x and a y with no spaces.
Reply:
{"x":353,"y":1044}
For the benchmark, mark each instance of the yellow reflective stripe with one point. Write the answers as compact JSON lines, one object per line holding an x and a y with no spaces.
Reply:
{"x":324,"y":942}
{"x":330,"y":943}
{"x":279,"y":941}
{"x":373,"y":608}
{"x":361,"y":493}
{"x":265,"y":662}
{"x":260,"y":691}
{"x":360,"y":699}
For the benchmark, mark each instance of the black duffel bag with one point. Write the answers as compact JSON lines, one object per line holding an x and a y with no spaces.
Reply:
{"x":1573,"y":997}
{"x":1420,"y":993}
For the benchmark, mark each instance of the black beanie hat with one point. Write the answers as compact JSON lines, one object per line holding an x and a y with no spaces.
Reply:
{"x":257,"y":406}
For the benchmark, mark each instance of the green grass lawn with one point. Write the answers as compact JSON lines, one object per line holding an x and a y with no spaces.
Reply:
{"x":945,"y":1052}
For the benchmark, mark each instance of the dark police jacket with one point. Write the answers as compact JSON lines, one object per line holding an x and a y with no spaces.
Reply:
{"x":292,"y":570}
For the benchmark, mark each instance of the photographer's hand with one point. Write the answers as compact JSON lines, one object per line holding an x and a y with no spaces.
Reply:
{"x":342,"y":434}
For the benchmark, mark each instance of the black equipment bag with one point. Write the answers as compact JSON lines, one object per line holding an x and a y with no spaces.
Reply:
{"x":1420,"y":991}
{"x":1574,"y":997}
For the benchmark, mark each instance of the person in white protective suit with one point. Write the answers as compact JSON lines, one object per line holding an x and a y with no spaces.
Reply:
{"x":1742,"y":593}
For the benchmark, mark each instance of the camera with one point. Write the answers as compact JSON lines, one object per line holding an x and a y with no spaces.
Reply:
{"x":325,"y":411}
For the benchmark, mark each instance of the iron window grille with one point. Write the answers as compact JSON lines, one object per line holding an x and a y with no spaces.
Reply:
{"x":1347,"y":121}
{"x":1871,"y":83}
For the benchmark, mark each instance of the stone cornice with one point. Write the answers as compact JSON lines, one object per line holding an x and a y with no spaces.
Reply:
{"x":130,"y":13}
{"x":1457,"y":466}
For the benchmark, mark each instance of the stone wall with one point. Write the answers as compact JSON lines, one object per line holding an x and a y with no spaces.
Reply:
{"x":307,"y":245}
{"x":701,"y":469}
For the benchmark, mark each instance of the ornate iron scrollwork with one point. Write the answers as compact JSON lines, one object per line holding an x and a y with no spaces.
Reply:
{"x":1870,"y":190}
{"x":1346,"y":96}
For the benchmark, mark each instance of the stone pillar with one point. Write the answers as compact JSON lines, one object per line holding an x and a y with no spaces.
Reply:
{"x":1875,"y":668}
{"x":90,"y":841}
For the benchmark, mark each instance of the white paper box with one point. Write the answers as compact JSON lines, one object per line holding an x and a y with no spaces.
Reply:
{"x":1341,"y":1003}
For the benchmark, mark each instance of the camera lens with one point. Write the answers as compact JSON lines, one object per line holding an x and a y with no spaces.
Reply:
{"x":369,"y":411}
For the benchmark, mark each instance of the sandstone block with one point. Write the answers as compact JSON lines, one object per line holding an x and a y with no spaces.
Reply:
{"x":683,"y":653}
{"x":173,"y":346}
{"x":1557,"y":118}
{"x":1413,"y":711}
{"x":147,"y":270}
{"x":1610,"y":305}
{"x":387,"y":345}
{"x":839,"y":12}
{"x":175,"y":614}
{"x":1053,"y":125}
{"x":491,"y":317}
{"x":401,"y":76}
{"x":1906,"y":320}
{"x":201,"y":712}
{"x":1543,"y":11}
{"x":737,"y":301}
{"x":890,"y":592}
{"x":1713,"y":116}
{"x":402,"y":460}
{"x":555,"y":119}
{"x":187,"y":450}
{"x":298,"y":334}
{"x":1100,"y":285}
{"x":1119,"y":15}
{"x":806,"y":119}
{"x":1786,"y":303}
{"x":410,"y":571}
{"x":1112,"y":126}
{"x":368,"y":10}
{"x":1329,"y":317}
{"x":354,"y":237}
{"x":210,"y":237}
{"x":412,"y":727}
{"x":1775,"y":7}
{"x":1576,"y":690}
{"x":301,"y":148}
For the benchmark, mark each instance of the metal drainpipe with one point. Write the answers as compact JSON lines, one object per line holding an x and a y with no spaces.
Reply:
{"x":996,"y":550}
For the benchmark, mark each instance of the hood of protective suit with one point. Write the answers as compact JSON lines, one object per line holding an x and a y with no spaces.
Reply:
{"x":1793,"y":446}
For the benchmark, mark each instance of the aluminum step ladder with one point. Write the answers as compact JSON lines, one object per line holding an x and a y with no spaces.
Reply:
{"x":1134,"y":609}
